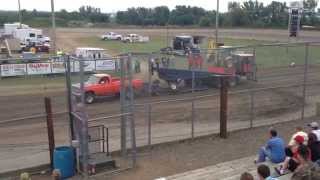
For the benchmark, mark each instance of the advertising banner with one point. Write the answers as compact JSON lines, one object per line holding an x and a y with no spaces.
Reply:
{"x":105,"y":65}
{"x":89,"y":65}
{"x":39,"y":68}
{"x":13,"y":70}
{"x":58,"y":67}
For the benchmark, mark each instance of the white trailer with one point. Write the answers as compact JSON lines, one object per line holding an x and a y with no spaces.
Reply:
{"x":10,"y":28}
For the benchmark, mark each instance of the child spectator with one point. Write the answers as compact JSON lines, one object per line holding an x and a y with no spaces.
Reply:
{"x":306,"y":169}
{"x":246,"y":176}
{"x":264,"y":173}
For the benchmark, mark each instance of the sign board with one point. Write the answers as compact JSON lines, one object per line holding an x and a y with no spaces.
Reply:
{"x":13,"y":70}
{"x":39,"y":68}
{"x":105,"y":65}
{"x":89,"y":65}
{"x":58,"y":67}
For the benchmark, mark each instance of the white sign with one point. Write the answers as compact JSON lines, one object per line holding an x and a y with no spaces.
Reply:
{"x":75,"y":66}
{"x":105,"y":65}
{"x":39,"y":68}
{"x":13,"y":69}
{"x":89,"y":65}
{"x":58,"y":67}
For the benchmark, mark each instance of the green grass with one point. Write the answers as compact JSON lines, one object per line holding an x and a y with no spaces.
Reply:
{"x":265,"y":56}
{"x":117,"y":47}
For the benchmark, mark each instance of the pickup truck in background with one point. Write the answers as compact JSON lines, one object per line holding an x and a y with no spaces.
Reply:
{"x":111,"y":36}
{"x":102,"y":85}
{"x":132,"y":38}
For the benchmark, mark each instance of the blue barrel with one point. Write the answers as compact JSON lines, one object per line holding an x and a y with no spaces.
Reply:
{"x":63,"y":159}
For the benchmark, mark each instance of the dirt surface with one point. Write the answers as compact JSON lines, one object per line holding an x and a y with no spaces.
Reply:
{"x":174,"y":158}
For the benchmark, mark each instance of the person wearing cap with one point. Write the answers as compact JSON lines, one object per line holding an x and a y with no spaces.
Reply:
{"x":306,"y":169}
{"x":315,"y":129}
{"x":298,"y":132}
{"x":273,"y":150}
{"x":291,"y":162}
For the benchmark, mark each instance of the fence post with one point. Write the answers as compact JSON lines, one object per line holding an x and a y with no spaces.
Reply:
{"x":305,"y":78}
{"x":192,"y":118}
{"x":251,"y":108}
{"x":69,"y":94}
{"x":47,"y":102}
{"x":223,"y":107}
{"x":149,"y":123}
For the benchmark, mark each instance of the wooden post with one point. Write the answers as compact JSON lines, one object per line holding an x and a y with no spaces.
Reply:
{"x":47,"y":102}
{"x":223,"y":107}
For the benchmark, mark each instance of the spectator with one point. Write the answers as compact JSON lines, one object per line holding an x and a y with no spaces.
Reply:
{"x":264,"y":173}
{"x":306,"y":169}
{"x":299,"y":132}
{"x":274,"y":150}
{"x":246,"y":176}
{"x":291,"y":162}
{"x":314,"y":146}
{"x":315,"y":129}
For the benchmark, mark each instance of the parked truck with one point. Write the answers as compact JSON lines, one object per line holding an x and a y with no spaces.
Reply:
{"x":103,"y":85}
{"x":133,"y":38}
{"x":111,"y":36}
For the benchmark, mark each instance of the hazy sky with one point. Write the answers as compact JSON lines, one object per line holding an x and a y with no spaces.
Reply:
{"x":115,"y":5}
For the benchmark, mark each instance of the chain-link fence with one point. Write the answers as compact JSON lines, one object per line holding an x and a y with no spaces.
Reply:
{"x":179,"y":98}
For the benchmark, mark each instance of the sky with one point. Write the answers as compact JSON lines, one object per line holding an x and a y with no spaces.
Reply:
{"x":110,"y":6}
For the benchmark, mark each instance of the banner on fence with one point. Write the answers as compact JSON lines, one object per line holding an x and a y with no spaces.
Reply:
{"x":54,"y":67}
{"x":39,"y":68}
{"x":105,"y":65}
{"x":58,"y":67}
{"x":13,"y":70}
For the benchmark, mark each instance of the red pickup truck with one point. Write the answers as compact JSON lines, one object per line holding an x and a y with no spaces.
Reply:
{"x":105,"y":85}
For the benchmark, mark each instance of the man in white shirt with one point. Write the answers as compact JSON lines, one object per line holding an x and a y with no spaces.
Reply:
{"x":315,"y":129}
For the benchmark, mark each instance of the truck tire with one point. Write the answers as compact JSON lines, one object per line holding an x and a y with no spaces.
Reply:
{"x":89,"y":97}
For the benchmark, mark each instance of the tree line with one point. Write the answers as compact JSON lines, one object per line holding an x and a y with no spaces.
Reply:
{"x":251,"y":13}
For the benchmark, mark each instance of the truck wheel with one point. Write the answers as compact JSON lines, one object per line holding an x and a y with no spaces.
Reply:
{"x":173,"y":86}
{"x":119,"y":38}
{"x":89,"y":97}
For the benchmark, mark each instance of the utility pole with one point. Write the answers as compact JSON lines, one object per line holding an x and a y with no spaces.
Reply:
{"x":19,"y":13}
{"x":53,"y":27}
{"x":217,"y":33}
{"x":217,"y":21}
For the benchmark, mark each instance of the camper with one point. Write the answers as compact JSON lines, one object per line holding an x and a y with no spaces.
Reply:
{"x":27,"y":34}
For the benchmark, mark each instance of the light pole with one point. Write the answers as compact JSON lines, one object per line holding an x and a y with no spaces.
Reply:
{"x":53,"y":27}
{"x":20,"y":18}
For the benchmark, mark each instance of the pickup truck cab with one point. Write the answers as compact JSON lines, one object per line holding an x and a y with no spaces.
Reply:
{"x":100,"y":85}
{"x":111,"y":36}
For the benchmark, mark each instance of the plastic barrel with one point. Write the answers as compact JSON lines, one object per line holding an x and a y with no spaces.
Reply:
{"x":63,"y":159}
